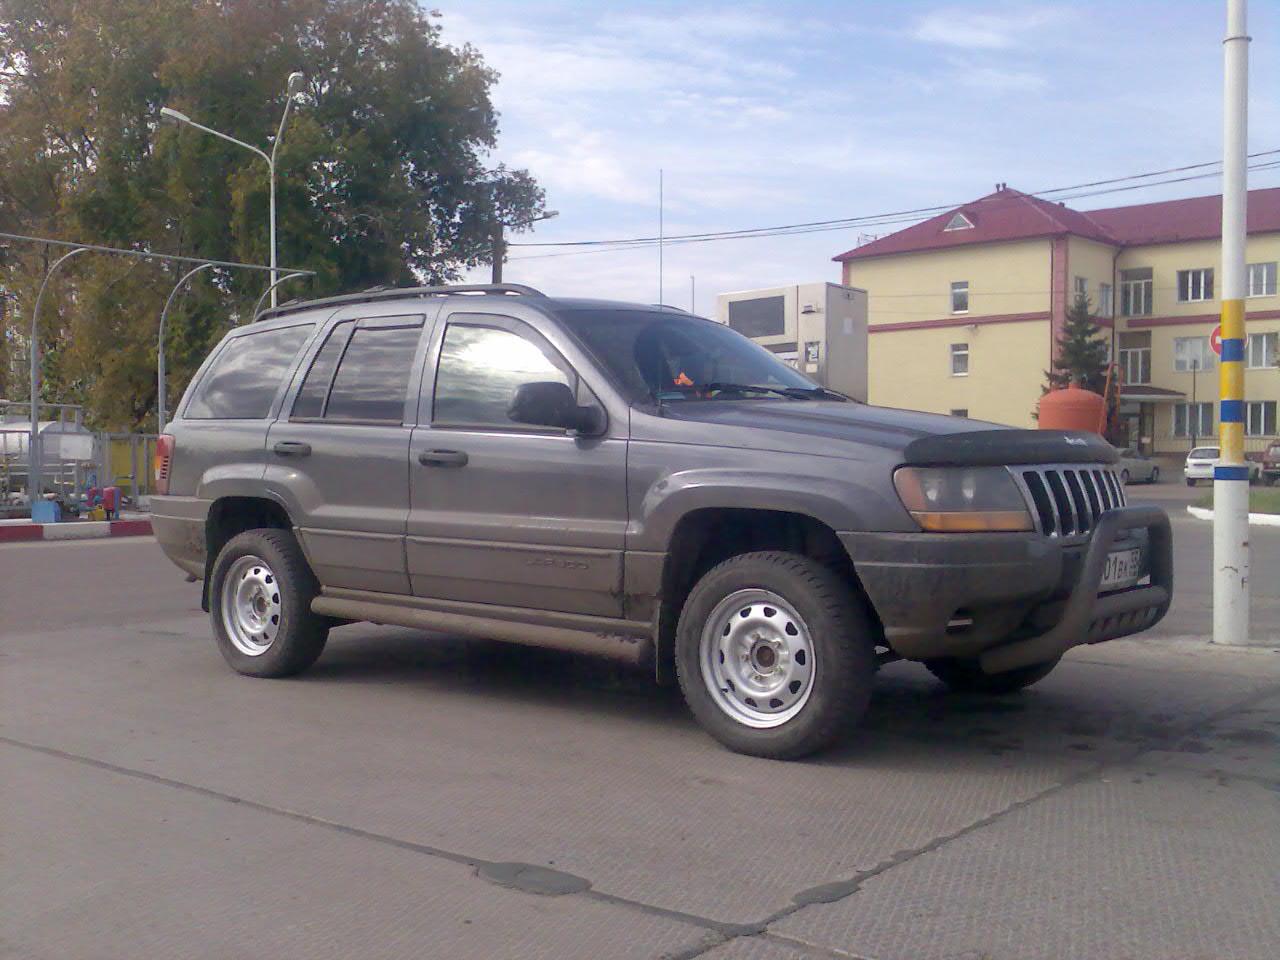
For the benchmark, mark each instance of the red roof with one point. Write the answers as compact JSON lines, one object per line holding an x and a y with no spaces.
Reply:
{"x":1012,"y":215}
{"x":1199,"y":218}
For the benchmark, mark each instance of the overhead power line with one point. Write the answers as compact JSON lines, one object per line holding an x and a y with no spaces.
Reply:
{"x":897,"y":217}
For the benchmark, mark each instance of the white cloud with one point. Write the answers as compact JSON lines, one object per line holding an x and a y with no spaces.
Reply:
{"x":981,"y":31}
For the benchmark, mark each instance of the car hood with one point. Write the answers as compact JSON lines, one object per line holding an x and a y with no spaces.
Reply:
{"x":835,"y":428}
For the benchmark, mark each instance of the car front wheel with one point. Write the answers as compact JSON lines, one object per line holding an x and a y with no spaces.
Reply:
{"x":260,"y":596}
{"x":1155,"y":475}
{"x":775,"y":654}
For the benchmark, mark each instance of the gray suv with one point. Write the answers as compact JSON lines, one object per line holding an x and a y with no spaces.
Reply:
{"x":639,"y":483}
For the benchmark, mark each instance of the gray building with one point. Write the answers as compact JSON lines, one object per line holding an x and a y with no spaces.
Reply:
{"x":819,"y":328}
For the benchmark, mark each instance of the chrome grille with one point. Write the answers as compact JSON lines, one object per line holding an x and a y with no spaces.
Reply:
{"x":1068,"y":499}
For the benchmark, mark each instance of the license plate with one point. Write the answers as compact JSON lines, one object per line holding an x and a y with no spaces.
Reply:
{"x":1122,"y":569}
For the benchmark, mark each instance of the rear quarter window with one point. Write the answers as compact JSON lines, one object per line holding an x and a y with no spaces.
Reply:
{"x":246,"y":374}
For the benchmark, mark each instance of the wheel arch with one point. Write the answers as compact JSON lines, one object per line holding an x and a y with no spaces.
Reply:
{"x":232,"y":515}
{"x":707,"y":536}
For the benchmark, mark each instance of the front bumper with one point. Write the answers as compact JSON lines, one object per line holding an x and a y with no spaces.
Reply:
{"x":1010,"y":600}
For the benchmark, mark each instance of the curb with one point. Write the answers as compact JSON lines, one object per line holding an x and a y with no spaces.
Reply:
{"x":1261,"y":519}
{"x":72,"y":530}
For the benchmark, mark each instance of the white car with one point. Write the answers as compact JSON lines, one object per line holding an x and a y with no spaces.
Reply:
{"x":1202,"y":460}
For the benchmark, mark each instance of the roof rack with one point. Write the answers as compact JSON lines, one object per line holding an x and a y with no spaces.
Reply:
{"x":400,"y":293}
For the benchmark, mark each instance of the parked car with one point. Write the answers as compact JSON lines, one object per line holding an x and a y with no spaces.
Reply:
{"x":639,"y":483}
{"x":1271,"y":463}
{"x":1202,"y":460}
{"x":1136,"y":466}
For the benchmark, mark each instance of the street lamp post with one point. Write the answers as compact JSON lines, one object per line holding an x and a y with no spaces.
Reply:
{"x":292,"y":87}
{"x":500,"y":245}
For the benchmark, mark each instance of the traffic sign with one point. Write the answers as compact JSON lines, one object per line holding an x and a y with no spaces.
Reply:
{"x":1215,"y":340}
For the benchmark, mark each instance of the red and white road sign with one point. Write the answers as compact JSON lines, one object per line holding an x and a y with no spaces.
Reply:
{"x":1215,"y":340}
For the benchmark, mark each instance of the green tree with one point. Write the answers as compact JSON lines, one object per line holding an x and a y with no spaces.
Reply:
{"x":381,"y":175}
{"x":1080,"y":358}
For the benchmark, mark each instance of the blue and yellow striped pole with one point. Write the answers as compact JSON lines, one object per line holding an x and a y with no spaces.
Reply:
{"x":1231,"y":476}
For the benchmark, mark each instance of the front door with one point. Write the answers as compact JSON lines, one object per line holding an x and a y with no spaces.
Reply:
{"x":339,"y":454}
{"x":504,"y":513}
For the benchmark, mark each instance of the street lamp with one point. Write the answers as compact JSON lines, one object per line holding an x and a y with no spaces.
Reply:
{"x":500,"y":245}
{"x":292,"y":87}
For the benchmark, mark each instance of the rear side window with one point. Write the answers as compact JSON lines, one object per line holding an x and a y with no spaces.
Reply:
{"x":246,"y":374}
{"x":362,"y":372}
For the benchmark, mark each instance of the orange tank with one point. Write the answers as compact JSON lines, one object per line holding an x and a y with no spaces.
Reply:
{"x":1072,"y":409}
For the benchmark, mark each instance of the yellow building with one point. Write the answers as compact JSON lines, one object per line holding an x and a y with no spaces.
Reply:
{"x":964,"y":310}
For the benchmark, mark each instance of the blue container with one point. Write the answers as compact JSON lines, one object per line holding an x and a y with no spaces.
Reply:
{"x":45,"y":511}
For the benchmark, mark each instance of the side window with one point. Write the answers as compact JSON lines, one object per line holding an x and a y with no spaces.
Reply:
{"x":480,"y":370}
{"x":314,"y":392}
{"x":373,"y":373}
{"x":246,"y":375}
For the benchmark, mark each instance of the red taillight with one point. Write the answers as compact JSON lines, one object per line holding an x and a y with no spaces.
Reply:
{"x":163,"y":462}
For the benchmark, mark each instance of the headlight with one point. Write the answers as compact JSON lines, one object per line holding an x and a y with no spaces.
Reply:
{"x":955,"y":499}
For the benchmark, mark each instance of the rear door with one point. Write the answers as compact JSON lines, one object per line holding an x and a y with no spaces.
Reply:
{"x":506,"y":513}
{"x":338,"y":456}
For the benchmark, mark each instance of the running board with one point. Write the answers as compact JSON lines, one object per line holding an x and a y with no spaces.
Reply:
{"x":634,"y":650}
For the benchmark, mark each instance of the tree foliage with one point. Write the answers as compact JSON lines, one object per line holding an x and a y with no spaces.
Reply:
{"x":1080,"y":358}
{"x":381,"y":172}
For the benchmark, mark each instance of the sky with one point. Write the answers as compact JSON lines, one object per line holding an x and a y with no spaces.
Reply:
{"x":761,"y":115}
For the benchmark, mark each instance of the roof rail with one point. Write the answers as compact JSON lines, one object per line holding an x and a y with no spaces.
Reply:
{"x":399,"y":293}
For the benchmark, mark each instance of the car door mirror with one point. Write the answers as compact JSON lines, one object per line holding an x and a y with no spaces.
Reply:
{"x":551,"y":404}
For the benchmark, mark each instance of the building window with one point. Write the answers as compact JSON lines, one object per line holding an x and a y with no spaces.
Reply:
{"x":1135,"y":292}
{"x":958,"y":222}
{"x":1080,"y":287}
{"x":1260,"y":418}
{"x":959,"y":359}
{"x":1195,"y":285}
{"x":1106,"y":305}
{"x":960,"y":412}
{"x":1135,"y":356}
{"x":960,"y":296}
{"x":1262,"y":279}
{"x":1263,"y":351}
{"x":1193,"y":420}
{"x":1191,"y":354}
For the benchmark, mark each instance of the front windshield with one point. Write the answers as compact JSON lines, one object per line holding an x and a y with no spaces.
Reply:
{"x":671,"y":356}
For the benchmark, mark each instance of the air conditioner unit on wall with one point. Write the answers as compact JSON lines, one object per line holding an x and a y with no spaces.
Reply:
{"x":809,"y":308}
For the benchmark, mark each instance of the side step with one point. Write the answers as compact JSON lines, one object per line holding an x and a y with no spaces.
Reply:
{"x":629,"y":649}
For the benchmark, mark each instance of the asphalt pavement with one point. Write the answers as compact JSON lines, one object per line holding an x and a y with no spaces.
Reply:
{"x":429,"y":797}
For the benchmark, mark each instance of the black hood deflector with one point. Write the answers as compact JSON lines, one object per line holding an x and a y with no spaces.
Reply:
{"x":983,"y":448}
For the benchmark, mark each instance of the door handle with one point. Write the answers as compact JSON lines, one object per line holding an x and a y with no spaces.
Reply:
{"x":292,"y":448}
{"x":443,"y":458}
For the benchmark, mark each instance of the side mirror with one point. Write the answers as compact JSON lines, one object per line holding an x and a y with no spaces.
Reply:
{"x":552,"y":404}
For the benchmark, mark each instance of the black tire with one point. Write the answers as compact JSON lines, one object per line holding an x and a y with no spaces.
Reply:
{"x":1124,"y":478}
{"x":260,"y":595}
{"x":1190,"y":482}
{"x":965,"y":676}
{"x":824,"y":661}
{"x":1155,"y":475}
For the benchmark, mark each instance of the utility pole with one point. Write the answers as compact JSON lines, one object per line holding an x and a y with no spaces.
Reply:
{"x":660,"y":236}
{"x":1231,"y":476}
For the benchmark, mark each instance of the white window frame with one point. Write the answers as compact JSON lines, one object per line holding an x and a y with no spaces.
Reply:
{"x":1205,"y":420}
{"x":1261,"y":280}
{"x":1195,"y":285}
{"x":959,"y":351}
{"x":1139,"y":357}
{"x":1080,"y":287}
{"x":1137,"y":297}
{"x":1258,"y":416}
{"x":1106,"y":300}
{"x":960,"y":289}
{"x":1184,"y":353}
{"x":1262,"y":351}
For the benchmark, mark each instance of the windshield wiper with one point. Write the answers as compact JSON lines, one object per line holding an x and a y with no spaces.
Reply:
{"x":791,"y":393}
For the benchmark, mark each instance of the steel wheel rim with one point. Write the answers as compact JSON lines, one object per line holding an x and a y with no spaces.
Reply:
{"x":757,"y":658}
{"x":250,"y":606}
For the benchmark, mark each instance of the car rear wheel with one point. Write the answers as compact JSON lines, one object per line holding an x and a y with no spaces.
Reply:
{"x":965,"y":676}
{"x":775,"y":654}
{"x":1155,"y":475}
{"x":1124,"y":478}
{"x":260,"y":596}
{"x":1190,"y":482}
